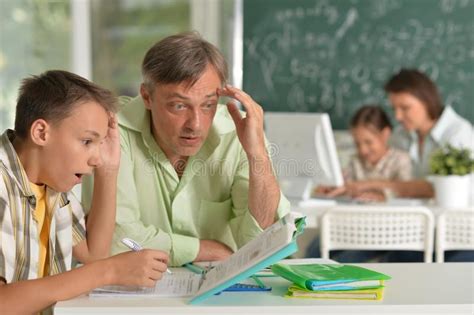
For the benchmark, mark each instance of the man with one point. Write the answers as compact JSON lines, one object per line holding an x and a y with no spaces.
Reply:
{"x":195,"y":177}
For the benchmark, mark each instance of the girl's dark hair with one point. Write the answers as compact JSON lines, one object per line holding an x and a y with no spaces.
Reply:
{"x":420,"y":86}
{"x":371,"y":116}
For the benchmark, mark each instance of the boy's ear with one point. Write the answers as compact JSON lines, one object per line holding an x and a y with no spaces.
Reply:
{"x":146,"y":96}
{"x":39,"y":132}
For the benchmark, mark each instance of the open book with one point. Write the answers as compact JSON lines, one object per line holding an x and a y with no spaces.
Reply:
{"x":273,"y":244}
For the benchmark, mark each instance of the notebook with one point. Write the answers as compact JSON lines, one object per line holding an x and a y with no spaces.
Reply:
{"x":364,"y":294}
{"x":331,"y":277}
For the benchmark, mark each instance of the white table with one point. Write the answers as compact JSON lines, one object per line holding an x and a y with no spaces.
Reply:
{"x":415,"y":288}
{"x":314,"y":212}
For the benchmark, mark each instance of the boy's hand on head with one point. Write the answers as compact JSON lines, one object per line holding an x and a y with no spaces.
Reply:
{"x":249,"y":128}
{"x":141,"y":268}
{"x":110,"y":147}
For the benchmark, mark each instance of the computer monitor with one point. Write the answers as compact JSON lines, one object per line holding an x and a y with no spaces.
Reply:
{"x":303,"y":151}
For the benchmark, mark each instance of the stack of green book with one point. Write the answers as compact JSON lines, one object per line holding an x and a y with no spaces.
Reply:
{"x":332,"y":281}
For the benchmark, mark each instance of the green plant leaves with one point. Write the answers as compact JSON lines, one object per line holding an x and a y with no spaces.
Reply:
{"x":449,"y":160}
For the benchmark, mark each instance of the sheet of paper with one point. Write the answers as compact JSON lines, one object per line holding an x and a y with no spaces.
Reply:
{"x":178,"y":284}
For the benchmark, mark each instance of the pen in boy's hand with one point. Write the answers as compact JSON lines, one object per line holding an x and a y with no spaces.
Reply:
{"x":135,"y":247}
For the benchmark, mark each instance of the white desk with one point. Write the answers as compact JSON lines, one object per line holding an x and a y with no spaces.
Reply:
{"x":414,"y":288}
{"x":314,"y":212}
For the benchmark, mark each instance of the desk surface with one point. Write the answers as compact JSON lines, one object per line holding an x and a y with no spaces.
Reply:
{"x":414,"y":288}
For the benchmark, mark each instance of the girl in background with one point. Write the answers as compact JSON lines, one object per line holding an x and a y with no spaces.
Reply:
{"x":375,"y":159}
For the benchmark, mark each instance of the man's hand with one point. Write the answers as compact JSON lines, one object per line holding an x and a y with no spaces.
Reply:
{"x":210,"y":250}
{"x":249,"y":128}
{"x":110,"y":147}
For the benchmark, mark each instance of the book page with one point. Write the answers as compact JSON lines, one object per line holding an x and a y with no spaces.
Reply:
{"x":266,"y":244}
{"x":178,"y":284}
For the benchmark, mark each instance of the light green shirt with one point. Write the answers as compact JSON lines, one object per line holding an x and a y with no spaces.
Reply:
{"x":449,"y":129}
{"x":159,"y":210}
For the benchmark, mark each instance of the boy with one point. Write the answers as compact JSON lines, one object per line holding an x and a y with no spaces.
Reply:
{"x":65,"y":128}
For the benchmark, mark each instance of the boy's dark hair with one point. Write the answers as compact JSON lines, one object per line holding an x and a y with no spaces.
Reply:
{"x":181,"y":58}
{"x":371,"y":116}
{"x":419,"y":85}
{"x":53,"y":95}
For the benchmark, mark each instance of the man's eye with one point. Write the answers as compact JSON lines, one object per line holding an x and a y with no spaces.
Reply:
{"x":86,"y":142}
{"x":179,"y":106}
{"x":209,"y":106}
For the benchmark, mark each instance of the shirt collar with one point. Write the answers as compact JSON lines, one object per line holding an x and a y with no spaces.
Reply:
{"x":9,"y":158}
{"x":441,"y":126}
{"x":447,"y":118}
{"x":12,"y":163}
{"x":380,"y":164}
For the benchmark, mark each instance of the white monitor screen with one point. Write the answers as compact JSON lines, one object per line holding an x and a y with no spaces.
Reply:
{"x":303,"y":151}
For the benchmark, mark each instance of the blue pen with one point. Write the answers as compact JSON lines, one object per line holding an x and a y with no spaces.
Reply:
{"x":135,"y":247}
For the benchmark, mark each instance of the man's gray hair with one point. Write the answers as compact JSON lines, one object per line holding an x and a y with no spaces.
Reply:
{"x":181,"y":58}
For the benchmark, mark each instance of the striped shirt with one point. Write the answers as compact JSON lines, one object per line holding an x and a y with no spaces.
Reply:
{"x":19,"y":237}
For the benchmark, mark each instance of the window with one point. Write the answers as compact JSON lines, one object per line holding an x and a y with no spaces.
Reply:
{"x":34,"y":37}
{"x":122,"y":33}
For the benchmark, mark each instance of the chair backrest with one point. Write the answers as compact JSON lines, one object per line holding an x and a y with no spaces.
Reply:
{"x":454,"y":231}
{"x":373,"y":227}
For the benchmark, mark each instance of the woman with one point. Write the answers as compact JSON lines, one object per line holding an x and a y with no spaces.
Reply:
{"x":425,"y":125}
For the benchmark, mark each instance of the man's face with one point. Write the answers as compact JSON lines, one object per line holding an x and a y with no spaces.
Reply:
{"x":73,"y":145}
{"x":182,"y":115}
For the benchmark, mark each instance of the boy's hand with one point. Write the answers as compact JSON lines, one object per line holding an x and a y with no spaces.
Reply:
{"x":141,"y":268}
{"x":110,"y":147}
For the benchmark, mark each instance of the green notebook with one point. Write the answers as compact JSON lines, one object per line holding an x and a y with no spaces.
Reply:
{"x":319,"y":277}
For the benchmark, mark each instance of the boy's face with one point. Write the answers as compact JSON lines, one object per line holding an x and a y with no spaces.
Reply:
{"x":182,"y":115}
{"x":72,"y":148}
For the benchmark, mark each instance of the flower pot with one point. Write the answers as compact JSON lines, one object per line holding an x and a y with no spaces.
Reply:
{"x":452,"y":191}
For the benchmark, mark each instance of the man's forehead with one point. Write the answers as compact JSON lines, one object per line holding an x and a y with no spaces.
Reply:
{"x":183,"y":91}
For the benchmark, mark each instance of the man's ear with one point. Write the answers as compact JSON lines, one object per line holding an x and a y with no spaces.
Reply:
{"x":39,"y":132}
{"x":146,"y":96}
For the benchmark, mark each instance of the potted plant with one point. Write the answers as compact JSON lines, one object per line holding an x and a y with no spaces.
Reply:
{"x":451,"y":168}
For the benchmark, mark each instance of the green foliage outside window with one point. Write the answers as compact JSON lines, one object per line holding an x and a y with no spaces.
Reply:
{"x":124,"y":31}
{"x":34,"y":37}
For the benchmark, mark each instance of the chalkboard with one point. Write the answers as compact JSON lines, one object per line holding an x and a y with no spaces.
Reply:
{"x":335,"y":55}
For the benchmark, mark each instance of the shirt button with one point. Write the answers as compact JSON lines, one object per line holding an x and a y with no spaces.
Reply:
{"x":32,"y":201}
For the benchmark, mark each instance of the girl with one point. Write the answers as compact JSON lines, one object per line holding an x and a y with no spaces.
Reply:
{"x":375,"y":159}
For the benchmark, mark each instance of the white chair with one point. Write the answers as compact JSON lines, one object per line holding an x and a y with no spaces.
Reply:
{"x":373,"y":227}
{"x":454,"y":231}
